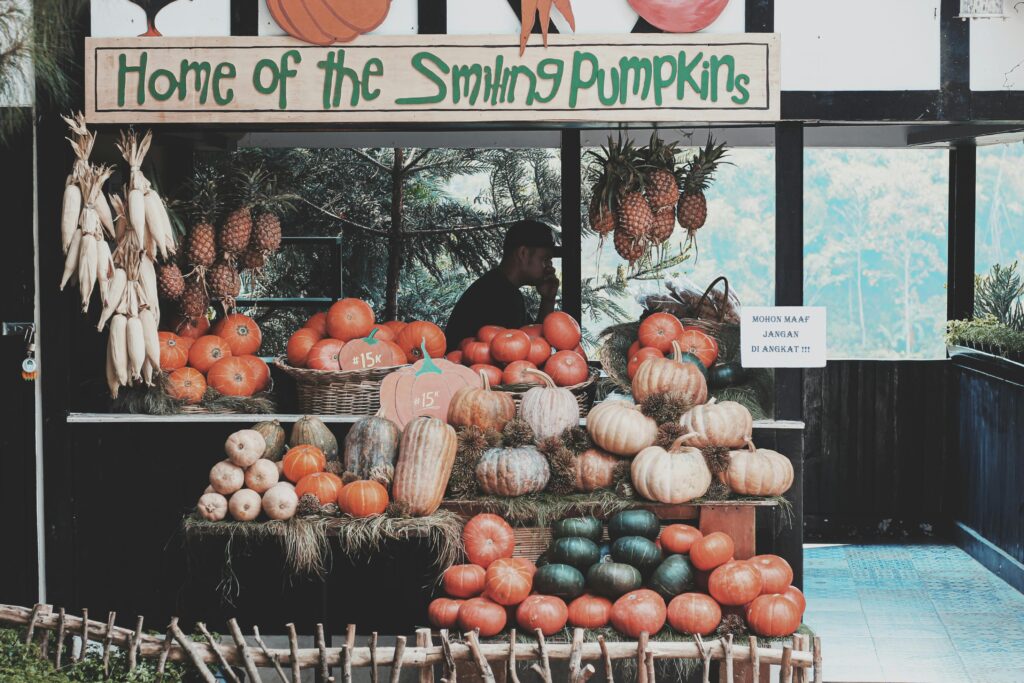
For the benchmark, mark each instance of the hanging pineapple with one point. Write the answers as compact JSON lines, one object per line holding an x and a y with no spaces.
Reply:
{"x":194,"y":299}
{"x":224,"y":282}
{"x":604,"y":172}
{"x":203,"y":208}
{"x":694,"y":178}
{"x":268,"y":204}
{"x":660,"y":186}
{"x":237,"y":229}
{"x":634,"y":214}
{"x":170,"y":281}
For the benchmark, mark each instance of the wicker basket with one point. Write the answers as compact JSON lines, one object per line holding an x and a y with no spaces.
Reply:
{"x":326,"y":392}
{"x":584,"y":391}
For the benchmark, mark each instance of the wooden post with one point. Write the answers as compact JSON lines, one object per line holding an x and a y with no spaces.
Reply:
{"x":576,"y":654}
{"x":649,"y":666}
{"x":269,"y":655}
{"x":108,"y":638}
{"x":705,"y":657}
{"x":76,"y":656}
{"x":193,"y":653}
{"x":609,"y":674}
{"x":251,"y":671}
{"x":133,"y":646}
{"x":32,"y":623}
{"x":755,"y":661}
{"x":60,"y":636}
{"x":738,"y":521}
{"x":165,"y":650}
{"x":396,"y":661}
{"x":346,"y":654}
{"x":293,"y":644}
{"x":221,"y":661}
{"x":449,"y":674}
{"x":373,"y":657}
{"x":799,"y":644}
{"x":473,"y":637}
{"x":786,"y":668}
{"x":817,"y":659}
{"x":513,"y":676}
{"x":424,"y":639}
{"x":544,"y":668}
{"x":641,"y":658}
{"x":729,"y":672}
{"x":321,"y":644}
{"x":44,"y":647}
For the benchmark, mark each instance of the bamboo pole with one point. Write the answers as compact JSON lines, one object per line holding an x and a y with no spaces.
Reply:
{"x":243,"y":651}
{"x":473,"y":637}
{"x":817,"y":659}
{"x":60,"y":636}
{"x":293,"y":645}
{"x":513,"y":676}
{"x":424,"y":640}
{"x":321,"y":645}
{"x":223,"y":663}
{"x":609,"y":674}
{"x":786,"y":668}
{"x":108,"y":638}
{"x":193,"y":653}
{"x":273,"y":657}
{"x":133,"y":644}
{"x":165,"y":650}
{"x":755,"y":663}
{"x":396,"y":663}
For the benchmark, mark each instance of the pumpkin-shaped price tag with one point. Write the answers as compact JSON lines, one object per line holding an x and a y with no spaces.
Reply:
{"x":370,"y":352}
{"x":423,"y":389}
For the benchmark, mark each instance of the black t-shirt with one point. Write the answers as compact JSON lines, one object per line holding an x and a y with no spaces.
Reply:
{"x":491,"y":300}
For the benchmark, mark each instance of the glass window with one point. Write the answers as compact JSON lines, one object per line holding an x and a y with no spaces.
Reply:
{"x":875,"y":249}
{"x":999,"y":229}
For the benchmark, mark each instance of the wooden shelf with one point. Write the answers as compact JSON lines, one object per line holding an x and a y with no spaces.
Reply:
{"x":236,"y":418}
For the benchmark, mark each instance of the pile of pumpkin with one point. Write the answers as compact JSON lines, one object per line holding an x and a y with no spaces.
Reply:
{"x":509,"y":356}
{"x":262,"y":473}
{"x":662,"y":335}
{"x":348,"y":337}
{"x":225,"y":360}
{"x":646,"y":577}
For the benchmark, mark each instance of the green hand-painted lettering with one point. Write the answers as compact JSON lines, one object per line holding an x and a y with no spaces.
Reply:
{"x":373,"y":67}
{"x":639,"y":70}
{"x":578,"y":82}
{"x":122,"y":74}
{"x":661,"y":80}
{"x":154,"y":86}
{"x":550,"y":70}
{"x":466,"y":82}
{"x":685,"y":75}
{"x":419,"y":62}
{"x":729,"y":62}
{"x":227,"y":71}
{"x":742,"y":81}
{"x":335,"y":73}
{"x":202,"y":79}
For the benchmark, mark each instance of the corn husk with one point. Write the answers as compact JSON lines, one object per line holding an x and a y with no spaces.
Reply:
{"x":118,"y":345}
{"x":137,"y":214}
{"x":154,"y":225}
{"x":106,"y":218}
{"x":113,"y":384}
{"x":147,"y":373}
{"x":87,"y":260}
{"x":113,"y":296}
{"x":136,"y":341}
{"x":150,"y":336}
{"x":104,"y":268}
{"x":69,"y":214}
{"x":71,"y":260}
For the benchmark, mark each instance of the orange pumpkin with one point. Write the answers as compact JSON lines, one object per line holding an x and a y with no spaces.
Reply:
{"x":692,"y":340}
{"x":303,"y":460}
{"x":206,"y":351}
{"x":544,"y":612}
{"x":711,"y":551}
{"x":633,"y":348}
{"x":444,"y":612}
{"x":735,"y":583}
{"x":579,"y":349}
{"x":464,"y":580}
{"x":453,"y":356}
{"x":635,"y":359}
{"x":191,"y":328}
{"x":173,"y":354}
{"x":349,"y":319}
{"x":363,"y":498}
{"x":793,"y":593}
{"x":241,"y":333}
{"x":535,"y":331}
{"x":324,"y":485}
{"x":395,"y":326}
{"x":562,"y":331}
{"x":370,"y":352}
{"x":773,"y":616}
{"x":567,"y":368}
{"x":477,"y":353}
{"x":488,"y":332}
{"x":540,"y":351}
{"x":480,"y":407}
{"x":658,"y":331}
{"x":775,"y":572}
{"x":510,"y":345}
{"x":526,"y":564}
{"x":507,"y":582}
{"x":516,"y":373}
{"x":639,"y":611}
{"x":677,"y":538}
{"x":318,"y":323}
{"x":419,"y":334}
{"x":494,"y":375}
{"x":300,"y":344}
{"x":590,"y":611}
{"x":233,"y":376}
{"x":325,"y":355}
{"x":484,"y":614}
{"x":694,"y":613}
{"x":186,"y":384}
{"x":487,"y":537}
{"x":670,"y":375}
{"x":260,"y":371}
{"x":423,"y":389}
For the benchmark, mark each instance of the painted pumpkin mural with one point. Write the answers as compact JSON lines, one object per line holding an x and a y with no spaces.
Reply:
{"x":325,"y":22}
{"x":679,"y":16}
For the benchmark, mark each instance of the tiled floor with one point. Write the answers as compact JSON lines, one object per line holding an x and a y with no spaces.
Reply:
{"x":912,"y":613}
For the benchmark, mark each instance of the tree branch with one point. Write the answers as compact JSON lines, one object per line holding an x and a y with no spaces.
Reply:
{"x":346,"y":221}
{"x":411,"y":166}
{"x":373,"y":161}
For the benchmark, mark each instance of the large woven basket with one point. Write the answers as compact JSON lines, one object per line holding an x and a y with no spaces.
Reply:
{"x":584,"y":391}
{"x":326,"y":392}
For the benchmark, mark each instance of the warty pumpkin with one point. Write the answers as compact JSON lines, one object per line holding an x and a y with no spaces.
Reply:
{"x":480,"y":407}
{"x":673,"y":476}
{"x":311,"y":430}
{"x":758,"y":472}
{"x":425,"y":458}
{"x":595,"y":470}
{"x":620,"y":428}
{"x":371,"y":449}
{"x":670,"y":376}
{"x":513,"y":471}
{"x":727,"y":424}
{"x":548,"y":409}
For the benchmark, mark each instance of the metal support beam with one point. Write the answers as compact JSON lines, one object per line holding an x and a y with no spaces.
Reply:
{"x":962,"y":192}
{"x":572,"y":269}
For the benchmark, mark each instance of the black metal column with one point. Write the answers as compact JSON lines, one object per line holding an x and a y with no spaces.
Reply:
{"x":572,"y":269}
{"x":962,"y":192}
{"x":759,"y":16}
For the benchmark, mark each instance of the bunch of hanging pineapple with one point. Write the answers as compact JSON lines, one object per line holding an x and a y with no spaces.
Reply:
{"x":216,"y":258}
{"x":695,"y":177}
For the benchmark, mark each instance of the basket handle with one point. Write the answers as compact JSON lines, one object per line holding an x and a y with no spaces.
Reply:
{"x":720,"y":278}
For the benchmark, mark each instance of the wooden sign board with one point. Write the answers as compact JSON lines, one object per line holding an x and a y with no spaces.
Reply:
{"x":443,"y":79}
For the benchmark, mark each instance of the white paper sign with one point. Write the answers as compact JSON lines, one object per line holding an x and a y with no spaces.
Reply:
{"x":782,"y":336}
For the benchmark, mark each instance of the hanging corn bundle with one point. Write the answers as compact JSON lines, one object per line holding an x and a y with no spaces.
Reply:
{"x":147,"y":214}
{"x":82,"y":142}
{"x":87,"y":257}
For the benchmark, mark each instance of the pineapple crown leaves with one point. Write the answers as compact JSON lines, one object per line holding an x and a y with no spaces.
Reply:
{"x":659,"y":154}
{"x":257,"y":188}
{"x":697,"y":174}
{"x":202,"y":202}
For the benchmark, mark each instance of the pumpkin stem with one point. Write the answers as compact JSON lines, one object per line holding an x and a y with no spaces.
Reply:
{"x":544,"y":377}
{"x":679,"y":442}
{"x":428,"y":363}
{"x":750,"y":444}
{"x":486,"y":382}
{"x":711,"y":401}
{"x":371,"y":338}
{"x":677,"y":352}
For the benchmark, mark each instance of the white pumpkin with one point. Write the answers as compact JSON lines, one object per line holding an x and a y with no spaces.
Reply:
{"x":280,"y":502}
{"x":245,"y":505}
{"x":758,"y":472}
{"x":212,"y":507}
{"x":673,"y":476}
{"x":226,"y":478}
{"x":245,"y":447}
{"x":208,"y":489}
{"x":620,"y":428}
{"x":727,"y":424}
{"x":261,"y":475}
{"x":549,"y":409}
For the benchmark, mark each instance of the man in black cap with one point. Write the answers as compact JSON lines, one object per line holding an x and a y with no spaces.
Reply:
{"x":495,"y":299}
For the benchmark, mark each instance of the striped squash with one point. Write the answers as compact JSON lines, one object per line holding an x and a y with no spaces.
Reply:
{"x":670,"y":376}
{"x":549,"y":409}
{"x":726,"y":424}
{"x":425,"y":459}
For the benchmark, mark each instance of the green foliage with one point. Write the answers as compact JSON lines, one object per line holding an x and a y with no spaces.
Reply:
{"x":25,"y":664}
{"x":998,"y":294}
{"x":986,"y":333}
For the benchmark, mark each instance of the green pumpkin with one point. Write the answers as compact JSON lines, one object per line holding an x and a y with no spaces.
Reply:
{"x":583,"y":527}
{"x":637,"y":551}
{"x":559,"y":580}
{"x":674,"y":576}
{"x":574,"y":551}
{"x":633,"y":523}
{"x":725,"y":375}
{"x":612,"y":579}
{"x":688,"y":357}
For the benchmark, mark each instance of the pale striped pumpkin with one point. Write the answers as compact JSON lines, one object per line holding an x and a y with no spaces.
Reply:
{"x":673,"y":476}
{"x":425,"y":459}
{"x":726,"y":424}
{"x":670,"y":376}
{"x":758,"y":472}
{"x":513,"y":471}
{"x":480,"y":407}
{"x":549,"y":409}
{"x":620,"y":428}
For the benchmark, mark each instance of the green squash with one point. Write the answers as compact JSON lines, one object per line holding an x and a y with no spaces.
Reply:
{"x":688,"y":357}
{"x":725,"y":375}
{"x":574,"y":551}
{"x":633,"y":523}
{"x":559,"y":580}
{"x":637,"y":551}
{"x":674,"y":576}
{"x":613,"y":580}
{"x":583,"y":527}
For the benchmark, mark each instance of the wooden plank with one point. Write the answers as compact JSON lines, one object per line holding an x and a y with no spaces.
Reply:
{"x":739,"y":522}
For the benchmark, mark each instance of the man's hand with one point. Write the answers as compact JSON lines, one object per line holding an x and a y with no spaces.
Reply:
{"x":548,"y":288}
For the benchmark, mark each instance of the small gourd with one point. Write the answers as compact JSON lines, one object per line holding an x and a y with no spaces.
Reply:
{"x":212,"y":507}
{"x":245,"y":505}
{"x":245,"y":447}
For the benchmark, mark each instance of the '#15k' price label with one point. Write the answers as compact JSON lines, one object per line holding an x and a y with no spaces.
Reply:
{"x":783,"y":336}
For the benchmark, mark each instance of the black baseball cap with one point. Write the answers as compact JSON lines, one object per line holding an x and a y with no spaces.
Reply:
{"x":528,"y":233}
